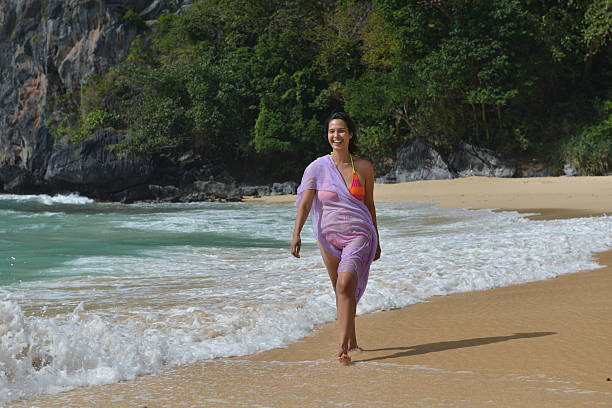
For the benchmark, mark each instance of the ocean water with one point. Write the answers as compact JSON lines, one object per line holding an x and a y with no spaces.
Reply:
{"x":93,"y":293}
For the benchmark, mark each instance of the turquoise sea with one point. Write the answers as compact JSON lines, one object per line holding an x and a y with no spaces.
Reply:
{"x":92,"y":293}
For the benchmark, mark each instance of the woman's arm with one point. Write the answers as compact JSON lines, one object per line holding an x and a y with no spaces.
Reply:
{"x":300,"y":218}
{"x":368,"y":172}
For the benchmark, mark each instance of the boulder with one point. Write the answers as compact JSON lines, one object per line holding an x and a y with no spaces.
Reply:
{"x":255,"y":191}
{"x":174,"y":174}
{"x":288,"y":187}
{"x":570,"y":171}
{"x":16,"y":180}
{"x":417,"y":160}
{"x":164,"y":193}
{"x":132,"y":194}
{"x":92,"y":166}
{"x":210,"y":191}
{"x":146,"y":192}
{"x":9,"y":175}
{"x":224,"y":177}
{"x":468,"y":160}
{"x":535,"y":168}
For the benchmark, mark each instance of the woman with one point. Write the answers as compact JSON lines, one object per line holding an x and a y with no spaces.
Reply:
{"x":339,"y":189}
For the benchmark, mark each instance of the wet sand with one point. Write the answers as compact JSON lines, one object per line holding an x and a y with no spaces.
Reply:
{"x":540,"y":344}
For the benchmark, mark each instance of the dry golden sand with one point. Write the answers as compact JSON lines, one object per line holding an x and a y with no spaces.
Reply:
{"x":556,"y":196}
{"x":541,"y":344}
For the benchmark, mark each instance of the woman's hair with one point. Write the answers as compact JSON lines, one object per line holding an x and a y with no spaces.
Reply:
{"x":351,"y":128}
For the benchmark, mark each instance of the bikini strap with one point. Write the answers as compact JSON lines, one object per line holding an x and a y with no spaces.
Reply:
{"x":352,"y":163}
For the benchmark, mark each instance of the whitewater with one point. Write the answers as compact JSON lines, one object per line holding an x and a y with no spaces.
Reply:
{"x":95,"y":293}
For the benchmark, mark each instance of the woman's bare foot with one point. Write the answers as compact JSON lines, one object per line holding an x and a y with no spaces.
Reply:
{"x":343,"y":357}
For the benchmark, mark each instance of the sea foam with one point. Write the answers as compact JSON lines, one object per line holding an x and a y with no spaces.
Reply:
{"x":72,"y":198}
{"x":123,"y":316}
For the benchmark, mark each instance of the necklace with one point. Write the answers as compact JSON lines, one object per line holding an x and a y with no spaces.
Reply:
{"x":346,"y":162}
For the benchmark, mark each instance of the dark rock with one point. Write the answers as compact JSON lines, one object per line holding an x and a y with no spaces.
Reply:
{"x":255,"y":191}
{"x":133,"y":194}
{"x":41,"y":151}
{"x":20,"y":184}
{"x":180,"y":170}
{"x":187,"y":178}
{"x":534,"y":168}
{"x":55,"y":10}
{"x":146,"y":192}
{"x":183,"y":6}
{"x":570,"y":171}
{"x":155,"y":9}
{"x":188,"y":159}
{"x":9,"y":176}
{"x":469,"y":160}
{"x":16,"y":180}
{"x":225,"y":177}
{"x":92,"y":167}
{"x":211,"y":191}
{"x":288,"y":187}
{"x":158,"y":7}
{"x":164,"y":193}
{"x":50,"y":49}
{"x":417,"y":160}
{"x":164,"y":175}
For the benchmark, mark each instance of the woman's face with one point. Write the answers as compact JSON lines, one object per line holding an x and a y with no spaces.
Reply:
{"x":338,"y":134}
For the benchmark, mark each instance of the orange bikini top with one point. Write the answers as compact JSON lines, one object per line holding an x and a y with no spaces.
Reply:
{"x":356,"y":190}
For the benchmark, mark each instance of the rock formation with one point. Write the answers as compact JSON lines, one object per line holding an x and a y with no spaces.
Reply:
{"x":417,"y":160}
{"x":48,"y":50}
{"x":93,"y":168}
{"x":535,"y":168}
{"x":468,"y":160}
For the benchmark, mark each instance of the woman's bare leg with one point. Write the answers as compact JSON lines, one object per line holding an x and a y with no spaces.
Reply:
{"x":345,"y":300}
{"x":346,"y":322}
{"x":353,"y":346}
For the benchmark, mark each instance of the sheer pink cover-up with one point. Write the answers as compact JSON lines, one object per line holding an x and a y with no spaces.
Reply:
{"x":341,"y":223}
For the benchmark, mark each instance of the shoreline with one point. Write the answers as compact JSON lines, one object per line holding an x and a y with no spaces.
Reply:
{"x":585,"y":195}
{"x":536,"y":344}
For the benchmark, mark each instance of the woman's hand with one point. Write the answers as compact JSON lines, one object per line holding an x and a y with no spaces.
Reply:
{"x":377,"y":255}
{"x":300,"y":217}
{"x":296,"y":244}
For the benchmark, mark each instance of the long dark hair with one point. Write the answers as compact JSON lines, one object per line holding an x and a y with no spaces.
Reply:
{"x":351,"y":128}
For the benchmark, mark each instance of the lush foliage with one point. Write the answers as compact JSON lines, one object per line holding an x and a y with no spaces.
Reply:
{"x":247,"y":84}
{"x":591,"y":150}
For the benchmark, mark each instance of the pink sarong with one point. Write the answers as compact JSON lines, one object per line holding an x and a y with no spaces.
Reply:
{"x":341,"y":223}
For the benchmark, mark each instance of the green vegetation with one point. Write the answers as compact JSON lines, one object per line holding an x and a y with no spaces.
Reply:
{"x":591,"y":150}
{"x":96,"y":119}
{"x":247,"y":84}
{"x":133,"y":18}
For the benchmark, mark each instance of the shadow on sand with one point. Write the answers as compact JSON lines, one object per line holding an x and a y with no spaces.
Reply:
{"x":449,"y":345}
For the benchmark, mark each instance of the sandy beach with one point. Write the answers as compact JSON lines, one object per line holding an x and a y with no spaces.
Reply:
{"x":540,"y":344}
{"x":552,"y":197}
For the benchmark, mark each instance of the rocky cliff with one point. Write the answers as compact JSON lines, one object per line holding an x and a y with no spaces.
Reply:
{"x":49,"y":49}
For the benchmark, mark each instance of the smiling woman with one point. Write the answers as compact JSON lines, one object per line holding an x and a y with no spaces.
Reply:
{"x":338,"y":188}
